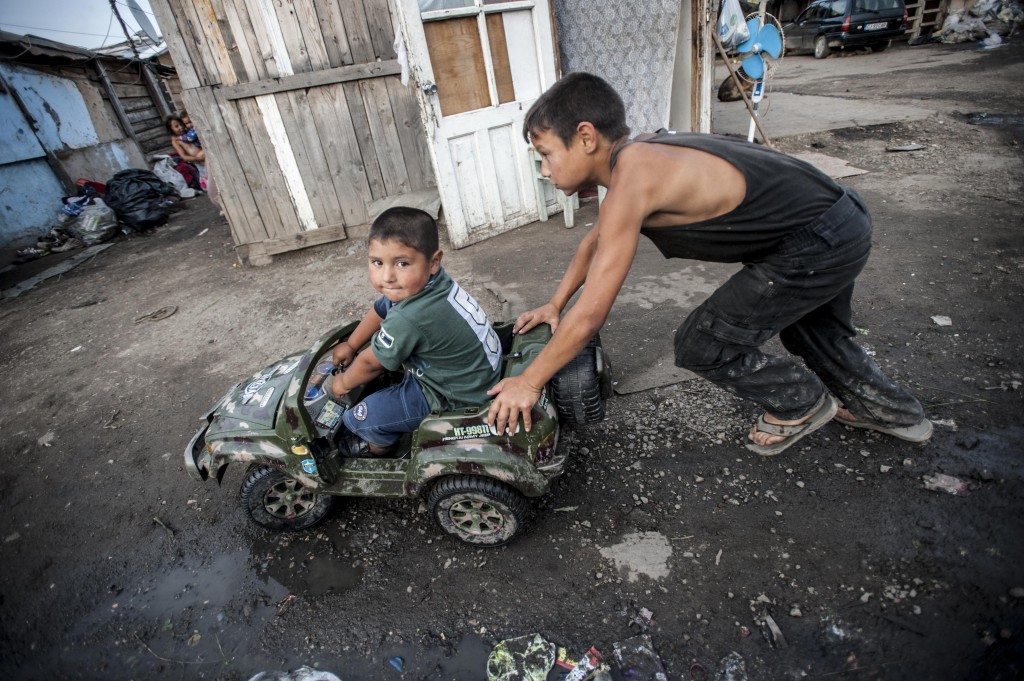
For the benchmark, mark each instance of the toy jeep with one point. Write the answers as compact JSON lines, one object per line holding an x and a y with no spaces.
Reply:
{"x":475,"y":482}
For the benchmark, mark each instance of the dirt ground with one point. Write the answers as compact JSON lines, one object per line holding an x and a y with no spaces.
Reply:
{"x":115,"y":564}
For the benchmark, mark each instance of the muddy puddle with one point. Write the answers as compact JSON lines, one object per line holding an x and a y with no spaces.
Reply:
{"x":312,"y":563}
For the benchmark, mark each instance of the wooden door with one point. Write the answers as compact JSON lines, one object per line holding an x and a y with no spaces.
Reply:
{"x":479,"y":65}
{"x":301,"y":110}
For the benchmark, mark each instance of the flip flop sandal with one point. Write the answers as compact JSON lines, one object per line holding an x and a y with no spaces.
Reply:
{"x":822,"y":414}
{"x":919,"y":432}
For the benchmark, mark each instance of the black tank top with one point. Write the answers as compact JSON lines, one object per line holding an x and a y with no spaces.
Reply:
{"x":783,"y":195}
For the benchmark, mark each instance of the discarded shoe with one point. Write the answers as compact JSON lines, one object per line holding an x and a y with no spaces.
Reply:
{"x":822,"y":414}
{"x":30,"y":253}
{"x":69,"y":245}
{"x":919,"y":432}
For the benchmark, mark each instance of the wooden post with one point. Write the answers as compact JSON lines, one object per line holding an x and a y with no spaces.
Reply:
{"x":156,"y":93}
{"x":122,"y":115}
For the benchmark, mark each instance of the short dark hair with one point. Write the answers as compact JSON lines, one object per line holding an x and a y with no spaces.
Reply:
{"x":576,"y":98}
{"x":410,"y":226}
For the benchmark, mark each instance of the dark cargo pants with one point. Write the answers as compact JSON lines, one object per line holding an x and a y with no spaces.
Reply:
{"x":803,"y":292}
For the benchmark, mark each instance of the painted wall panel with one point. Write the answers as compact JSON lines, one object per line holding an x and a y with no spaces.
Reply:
{"x":18,"y":143}
{"x":57,"y":106}
{"x":30,"y":201}
{"x":102,"y":161}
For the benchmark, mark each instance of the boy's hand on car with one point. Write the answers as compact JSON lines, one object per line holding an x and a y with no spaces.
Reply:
{"x":545,"y":314}
{"x":343,"y":354}
{"x":514,"y":397}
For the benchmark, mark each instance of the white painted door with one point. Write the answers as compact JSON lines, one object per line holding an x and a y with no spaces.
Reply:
{"x":478,"y":66}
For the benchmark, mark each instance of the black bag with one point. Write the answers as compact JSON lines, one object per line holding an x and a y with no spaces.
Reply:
{"x":139,"y":198}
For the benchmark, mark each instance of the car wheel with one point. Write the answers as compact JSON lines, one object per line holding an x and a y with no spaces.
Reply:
{"x":821,"y":48}
{"x":478,"y":511}
{"x":577,"y":388}
{"x":882,"y":46}
{"x":281,"y":503}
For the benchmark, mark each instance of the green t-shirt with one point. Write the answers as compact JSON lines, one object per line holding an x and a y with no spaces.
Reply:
{"x":443,"y":337}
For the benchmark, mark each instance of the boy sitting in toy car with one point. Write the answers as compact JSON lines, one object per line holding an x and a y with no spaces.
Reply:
{"x":423,"y":322}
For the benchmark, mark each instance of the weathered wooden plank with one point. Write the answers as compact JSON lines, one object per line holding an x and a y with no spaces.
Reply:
{"x":123,"y":90}
{"x":140,"y":115}
{"x":175,"y":43}
{"x":267,"y":35}
{"x":313,"y":39}
{"x":304,"y":239}
{"x":291,"y":32}
{"x":214,"y":25}
{"x":385,"y":136}
{"x":382,"y":34}
{"x":329,"y":108}
{"x":227,"y":171}
{"x":358,"y":32}
{"x":245,"y":40}
{"x":332,"y":27}
{"x":364,"y":138}
{"x":340,"y":74}
{"x":260,"y":184}
{"x":136,"y":103}
{"x":122,"y":115}
{"x":261,"y":118}
{"x":411,"y":133}
{"x":499,"y":58}
{"x":458,"y":62}
{"x":192,"y":30}
{"x":312,"y":166}
{"x":237,"y":51}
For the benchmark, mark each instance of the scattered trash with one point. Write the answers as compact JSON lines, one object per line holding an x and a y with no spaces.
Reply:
{"x":588,"y":663}
{"x":732,"y":668}
{"x":397,"y":662}
{"x":698,"y":672}
{"x":637,"y":660}
{"x":161,"y":524}
{"x":566,"y":509}
{"x":157,"y":315}
{"x":774,"y":636}
{"x":77,"y":348}
{"x":991,"y":42}
{"x":203,"y":232}
{"x":940,"y":482}
{"x":948,"y":423}
{"x":95,"y":224}
{"x":985,"y":19}
{"x":301,"y":674}
{"x":795,"y":611}
{"x":47,"y":439}
{"x":194,"y":639}
{"x":906,"y":147}
{"x":109,"y":424}
{"x":137,"y":196}
{"x":718,"y":557}
{"x":994,"y":119}
{"x":526,"y":658}
{"x":642,"y":620}
{"x":942,"y":320}
{"x":285,"y":603}
{"x":15,"y":536}
{"x":1005,"y":385}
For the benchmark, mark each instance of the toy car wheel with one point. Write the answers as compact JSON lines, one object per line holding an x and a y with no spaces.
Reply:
{"x":281,"y":503}
{"x":821,"y":48}
{"x":577,"y":389}
{"x":477,"y":511}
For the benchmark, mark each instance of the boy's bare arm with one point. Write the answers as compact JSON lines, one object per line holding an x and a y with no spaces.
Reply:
{"x":363,"y":369}
{"x":346,"y":351}
{"x":575,"y":276}
{"x":615,"y":242}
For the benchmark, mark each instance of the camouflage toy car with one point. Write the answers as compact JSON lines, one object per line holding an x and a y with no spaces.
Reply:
{"x":475,"y":482}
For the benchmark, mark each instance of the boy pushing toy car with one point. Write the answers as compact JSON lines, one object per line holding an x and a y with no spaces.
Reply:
{"x":802,"y":239}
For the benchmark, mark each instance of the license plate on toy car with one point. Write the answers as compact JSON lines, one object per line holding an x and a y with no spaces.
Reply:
{"x":875,"y":26}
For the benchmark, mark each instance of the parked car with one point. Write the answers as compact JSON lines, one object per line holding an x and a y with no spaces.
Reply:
{"x":282,"y":424}
{"x":829,"y":24}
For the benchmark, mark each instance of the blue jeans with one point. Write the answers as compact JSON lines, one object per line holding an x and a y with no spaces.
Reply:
{"x":803,"y":292}
{"x":383,"y":417}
